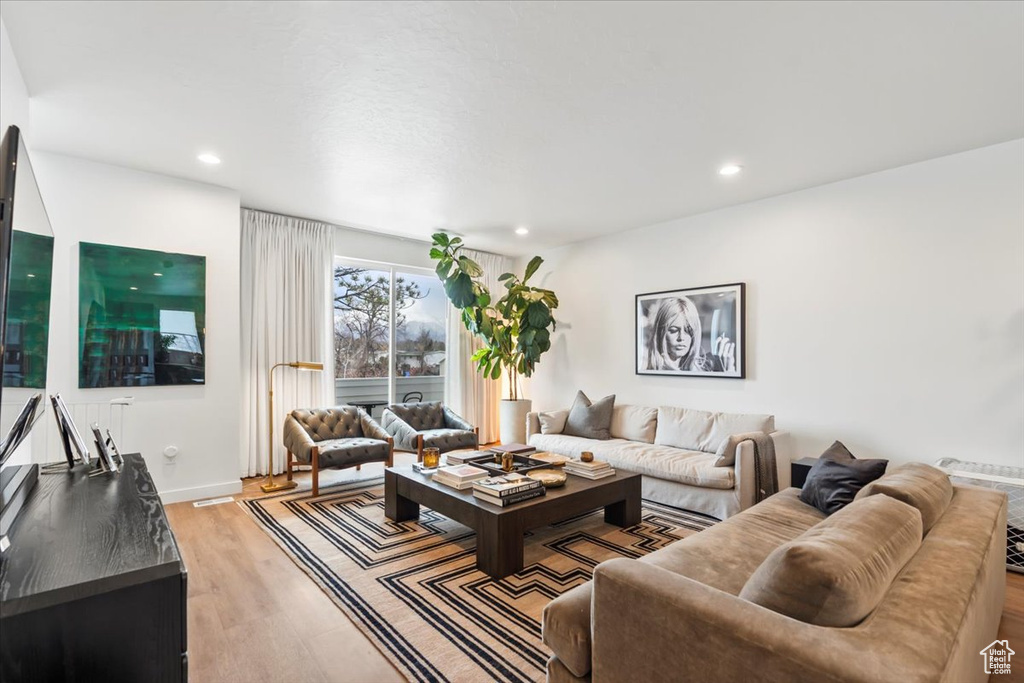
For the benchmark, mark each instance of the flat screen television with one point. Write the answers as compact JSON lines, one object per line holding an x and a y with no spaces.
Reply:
{"x":26,"y":268}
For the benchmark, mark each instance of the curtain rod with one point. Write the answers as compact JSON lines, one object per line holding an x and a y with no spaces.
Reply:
{"x":362,"y":230}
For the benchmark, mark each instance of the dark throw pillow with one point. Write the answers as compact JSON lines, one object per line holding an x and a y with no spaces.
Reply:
{"x":836,"y":478}
{"x":590,"y":420}
{"x":837,"y":451}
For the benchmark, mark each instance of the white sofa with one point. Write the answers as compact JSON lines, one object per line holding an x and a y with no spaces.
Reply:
{"x":676,"y":451}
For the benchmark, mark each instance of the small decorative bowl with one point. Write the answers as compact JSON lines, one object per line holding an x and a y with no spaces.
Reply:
{"x":552,"y":459}
{"x":551,"y":478}
{"x":587,"y":456}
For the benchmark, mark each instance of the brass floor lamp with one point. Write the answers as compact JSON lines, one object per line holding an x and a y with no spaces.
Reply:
{"x":271,"y":486}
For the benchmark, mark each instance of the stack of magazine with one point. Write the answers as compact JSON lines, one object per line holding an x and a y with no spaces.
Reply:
{"x":596,"y":469}
{"x":507,"y":489}
{"x":459,"y":476}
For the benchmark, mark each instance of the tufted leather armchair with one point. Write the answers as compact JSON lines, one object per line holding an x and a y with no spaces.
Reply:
{"x":420,"y":425}
{"x":345,"y":436}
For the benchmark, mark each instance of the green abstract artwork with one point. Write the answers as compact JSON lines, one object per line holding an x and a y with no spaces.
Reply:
{"x":28,"y":310}
{"x":141,"y":317}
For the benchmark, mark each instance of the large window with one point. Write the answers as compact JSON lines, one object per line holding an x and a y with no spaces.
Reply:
{"x":389,"y":333}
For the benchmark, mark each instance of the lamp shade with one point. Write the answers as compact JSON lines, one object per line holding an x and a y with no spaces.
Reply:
{"x":306,"y":365}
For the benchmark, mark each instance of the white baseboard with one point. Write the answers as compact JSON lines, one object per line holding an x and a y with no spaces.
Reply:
{"x":210,"y":491}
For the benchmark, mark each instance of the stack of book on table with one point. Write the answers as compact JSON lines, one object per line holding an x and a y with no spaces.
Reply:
{"x":507,"y":489}
{"x":514,"y":449}
{"x":596,"y":469}
{"x":459,"y":457}
{"x":459,"y":476}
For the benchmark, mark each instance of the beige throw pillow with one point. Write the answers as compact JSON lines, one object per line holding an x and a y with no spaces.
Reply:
{"x":724,"y":425}
{"x":837,"y":572}
{"x":636,"y":423}
{"x":683,"y":428}
{"x":925,"y":487}
{"x":552,"y":422}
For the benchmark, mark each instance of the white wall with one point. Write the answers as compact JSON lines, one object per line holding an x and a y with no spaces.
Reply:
{"x":13,"y":93}
{"x":93,"y":202}
{"x":13,"y":112}
{"x":885,"y":311}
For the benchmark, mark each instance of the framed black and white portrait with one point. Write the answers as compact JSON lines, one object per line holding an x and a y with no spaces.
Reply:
{"x":695,"y":332}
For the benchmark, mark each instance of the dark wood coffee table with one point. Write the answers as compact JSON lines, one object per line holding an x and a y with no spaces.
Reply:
{"x":499,"y":531}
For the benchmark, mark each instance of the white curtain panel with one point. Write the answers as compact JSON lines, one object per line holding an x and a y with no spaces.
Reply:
{"x":467,"y":392}
{"x":286,"y":280}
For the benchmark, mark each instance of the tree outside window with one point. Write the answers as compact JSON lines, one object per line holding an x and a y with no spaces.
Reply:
{"x":362,"y":298}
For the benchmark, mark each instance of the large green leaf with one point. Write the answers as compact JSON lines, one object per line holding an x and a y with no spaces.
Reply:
{"x":542,"y":341}
{"x":460,"y":290}
{"x":442,"y":268}
{"x":470,"y":267}
{"x":441,"y":239}
{"x":538,"y":314}
{"x":532,"y":267}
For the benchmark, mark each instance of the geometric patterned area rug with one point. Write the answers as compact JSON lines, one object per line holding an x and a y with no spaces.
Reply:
{"x":413,"y":588}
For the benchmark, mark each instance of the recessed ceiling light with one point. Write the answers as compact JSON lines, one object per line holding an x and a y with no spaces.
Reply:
{"x":158,"y":274}
{"x":134,"y":289}
{"x":730,"y":169}
{"x":208,"y":158}
{"x":522,"y":231}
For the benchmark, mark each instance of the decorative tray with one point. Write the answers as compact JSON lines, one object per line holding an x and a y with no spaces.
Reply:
{"x":520,"y":464}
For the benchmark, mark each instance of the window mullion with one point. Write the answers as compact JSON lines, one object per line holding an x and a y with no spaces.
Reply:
{"x":392,"y":342}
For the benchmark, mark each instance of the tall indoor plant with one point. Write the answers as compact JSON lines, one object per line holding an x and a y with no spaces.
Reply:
{"x":515,"y":329}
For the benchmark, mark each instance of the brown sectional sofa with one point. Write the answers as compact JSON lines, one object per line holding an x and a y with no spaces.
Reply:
{"x":676,"y":614}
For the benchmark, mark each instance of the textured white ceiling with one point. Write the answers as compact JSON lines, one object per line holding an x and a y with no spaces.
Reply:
{"x":571,"y":118}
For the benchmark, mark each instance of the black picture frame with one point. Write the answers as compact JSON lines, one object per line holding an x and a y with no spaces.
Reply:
{"x":112,"y":447}
{"x":105,"y":456}
{"x":65,"y":440}
{"x":714,"y":314}
{"x":69,"y":431}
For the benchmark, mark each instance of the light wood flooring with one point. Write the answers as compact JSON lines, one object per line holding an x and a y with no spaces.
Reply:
{"x":255,"y":617}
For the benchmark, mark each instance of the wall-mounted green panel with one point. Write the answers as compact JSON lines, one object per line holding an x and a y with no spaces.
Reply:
{"x":141,"y":317}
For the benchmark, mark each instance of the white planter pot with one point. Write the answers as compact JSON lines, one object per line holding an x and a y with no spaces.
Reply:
{"x":513,"y":420}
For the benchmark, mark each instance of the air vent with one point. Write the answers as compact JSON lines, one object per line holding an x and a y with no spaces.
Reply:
{"x":212,"y":501}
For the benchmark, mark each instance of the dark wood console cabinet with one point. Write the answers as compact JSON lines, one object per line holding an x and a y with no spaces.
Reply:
{"x":93,"y":586}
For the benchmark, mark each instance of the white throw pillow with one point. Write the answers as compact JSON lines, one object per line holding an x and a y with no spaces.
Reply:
{"x":725,"y":425}
{"x":684,"y":428}
{"x":636,"y":423}
{"x":552,"y":422}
